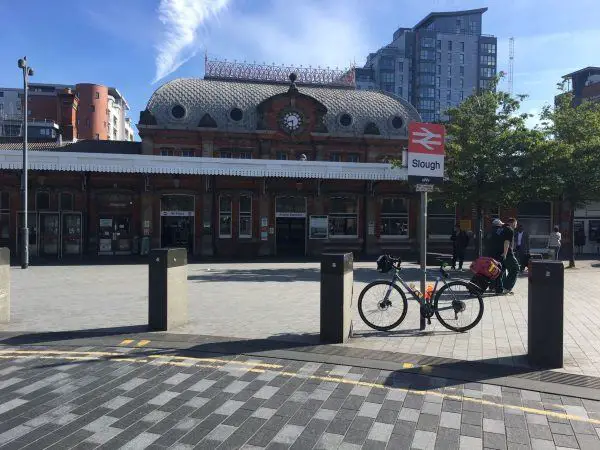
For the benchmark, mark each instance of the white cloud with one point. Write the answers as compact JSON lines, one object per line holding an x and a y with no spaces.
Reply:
{"x":181,"y":21}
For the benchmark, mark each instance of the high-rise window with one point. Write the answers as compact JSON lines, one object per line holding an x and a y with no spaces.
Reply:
{"x":461,"y":58}
{"x":439,"y":70}
{"x":488,"y":48}
{"x":450,"y":46}
{"x":427,"y":42}
{"x":462,"y":46}
{"x":487,"y":60}
{"x":439,"y":45}
{"x":449,"y":71}
{"x":401,"y":66}
{"x":449,"y":83}
{"x":487,"y":72}
{"x":449,"y":58}
{"x":462,"y":83}
{"x":462,"y":70}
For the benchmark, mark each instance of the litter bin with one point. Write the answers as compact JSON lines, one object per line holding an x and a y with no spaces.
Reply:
{"x":545,"y":325}
{"x":167,"y":288}
{"x":337,"y":278}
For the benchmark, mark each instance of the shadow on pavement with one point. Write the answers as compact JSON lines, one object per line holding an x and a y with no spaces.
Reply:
{"x":288,"y":275}
{"x":15,"y":338}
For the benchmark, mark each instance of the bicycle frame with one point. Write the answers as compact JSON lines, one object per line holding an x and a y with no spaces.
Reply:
{"x":413,"y":292}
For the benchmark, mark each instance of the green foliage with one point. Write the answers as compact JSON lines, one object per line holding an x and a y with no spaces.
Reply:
{"x":487,"y":141}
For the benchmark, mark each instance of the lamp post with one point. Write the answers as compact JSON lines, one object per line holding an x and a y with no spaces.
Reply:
{"x":27,"y":72}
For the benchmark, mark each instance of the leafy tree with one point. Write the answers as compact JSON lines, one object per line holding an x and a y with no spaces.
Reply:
{"x":567,"y":165}
{"x":487,"y":142}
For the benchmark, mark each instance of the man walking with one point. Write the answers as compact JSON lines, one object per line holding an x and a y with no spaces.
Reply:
{"x":460,"y":241}
{"x":522,"y":247}
{"x":507,"y":257}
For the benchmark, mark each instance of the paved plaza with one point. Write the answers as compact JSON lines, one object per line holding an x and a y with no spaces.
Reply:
{"x":281,"y":301}
{"x":129,"y":398}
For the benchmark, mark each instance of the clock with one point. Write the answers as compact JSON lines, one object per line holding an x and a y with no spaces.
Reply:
{"x":291,"y":121}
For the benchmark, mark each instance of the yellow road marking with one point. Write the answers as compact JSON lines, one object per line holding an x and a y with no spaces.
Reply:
{"x":16,"y":354}
{"x":142,"y":343}
{"x":407,"y":366}
{"x":126,"y":342}
{"x":215,"y":360}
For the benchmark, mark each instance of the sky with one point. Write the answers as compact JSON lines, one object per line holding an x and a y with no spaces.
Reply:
{"x":137,"y":45}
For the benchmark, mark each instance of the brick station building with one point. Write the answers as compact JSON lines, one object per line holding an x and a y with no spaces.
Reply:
{"x":242,"y":163}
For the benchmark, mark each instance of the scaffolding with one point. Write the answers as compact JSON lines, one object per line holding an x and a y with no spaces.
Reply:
{"x":243,"y":71}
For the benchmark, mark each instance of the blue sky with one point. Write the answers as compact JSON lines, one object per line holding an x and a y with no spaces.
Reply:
{"x":130,"y":43}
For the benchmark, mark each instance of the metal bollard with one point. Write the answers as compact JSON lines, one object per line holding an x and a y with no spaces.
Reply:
{"x":167,"y":289}
{"x":337,"y":279}
{"x":545,"y":325}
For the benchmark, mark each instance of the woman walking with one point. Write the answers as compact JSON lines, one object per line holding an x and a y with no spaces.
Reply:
{"x":554,"y":242}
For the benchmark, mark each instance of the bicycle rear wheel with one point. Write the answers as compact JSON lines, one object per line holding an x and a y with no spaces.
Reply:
{"x":375,"y":306}
{"x":458,"y":306}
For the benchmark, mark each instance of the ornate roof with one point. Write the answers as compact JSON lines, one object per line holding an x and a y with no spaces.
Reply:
{"x":174,"y":165}
{"x":218,"y":98}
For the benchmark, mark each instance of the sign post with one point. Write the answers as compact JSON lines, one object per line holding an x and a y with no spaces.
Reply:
{"x":425,"y":169}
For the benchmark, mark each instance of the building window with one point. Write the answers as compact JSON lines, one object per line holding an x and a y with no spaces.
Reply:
{"x":66,"y":201}
{"x":462,"y":95}
{"x":42,"y":200}
{"x":400,"y":91}
{"x":487,"y":60}
{"x":225,"y":155}
{"x":439,"y":70}
{"x":439,"y":45}
{"x":167,"y":152}
{"x":449,"y":46}
{"x":93,"y":108}
{"x":440,"y":219}
{"x":225,"y":215}
{"x":462,"y":46}
{"x":536,"y":218}
{"x":97,"y":95}
{"x":401,"y":66}
{"x":236,"y":114}
{"x":387,"y":77}
{"x":449,"y":83}
{"x":335,"y":157}
{"x":462,"y":71}
{"x":449,"y":71}
{"x":449,"y":58}
{"x":343,"y":217}
{"x":245,"y":216}
{"x":281,"y":156}
{"x":426,"y":54}
{"x":461,"y":58}
{"x":353,"y":157}
{"x":188,"y":153}
{"x":488,"y":72}
{"x":427,"y":42}
{"x":394,"y":217}
{"x":488,"y":48}
{"x":462,"y":83}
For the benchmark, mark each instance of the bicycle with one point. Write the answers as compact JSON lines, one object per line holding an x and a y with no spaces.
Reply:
{"x":431,"y":302}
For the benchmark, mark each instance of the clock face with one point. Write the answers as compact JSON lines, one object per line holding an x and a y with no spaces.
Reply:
{"x":291,"y":121}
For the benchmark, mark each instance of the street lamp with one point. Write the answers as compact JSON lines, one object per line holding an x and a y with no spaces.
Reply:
{"x":27,"y":72}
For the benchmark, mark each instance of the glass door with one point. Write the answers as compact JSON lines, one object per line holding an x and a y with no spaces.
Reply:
{"x":71,"y":234}
{"x":105,"y":235}
{"x":49,"y":234}
{"x":122,"y":242}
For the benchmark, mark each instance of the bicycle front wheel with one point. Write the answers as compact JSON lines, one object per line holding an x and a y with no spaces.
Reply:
{"x":458,"y":306}
{"x":382,"y":305}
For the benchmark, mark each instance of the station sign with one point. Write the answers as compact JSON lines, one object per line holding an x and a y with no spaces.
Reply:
{"x":426,"y":153}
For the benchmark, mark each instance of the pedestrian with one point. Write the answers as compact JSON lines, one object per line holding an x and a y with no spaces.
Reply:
{"x":580,"y":240}
{"x":555,"y":241}
{"x":460,"y":241}
{"x":522,"y":247}
{"x":504,"y":250}
{"x":493,"y":250}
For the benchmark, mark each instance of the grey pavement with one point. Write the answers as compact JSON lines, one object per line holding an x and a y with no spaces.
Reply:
{"x":281,"y":300}
{"x":86,"y":398}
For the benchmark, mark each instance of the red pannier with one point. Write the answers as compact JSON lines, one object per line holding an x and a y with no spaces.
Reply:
{"x":486,"y":267}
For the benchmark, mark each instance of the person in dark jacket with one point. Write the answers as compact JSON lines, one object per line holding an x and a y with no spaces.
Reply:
{"x":460,"y":241}
{"x":580,"y":239}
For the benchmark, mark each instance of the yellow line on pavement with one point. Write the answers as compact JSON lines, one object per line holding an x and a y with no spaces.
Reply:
{"x":142,"y":343}
{"x":205,"y":362}
{"x":215,"y":360}
{"x":126,"y":342}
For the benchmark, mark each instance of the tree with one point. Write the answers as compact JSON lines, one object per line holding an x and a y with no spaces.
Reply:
{"x":487,"y":143}
{"x":569,"y":160}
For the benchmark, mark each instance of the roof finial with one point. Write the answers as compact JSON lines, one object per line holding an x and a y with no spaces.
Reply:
{"x":293,"y":77}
